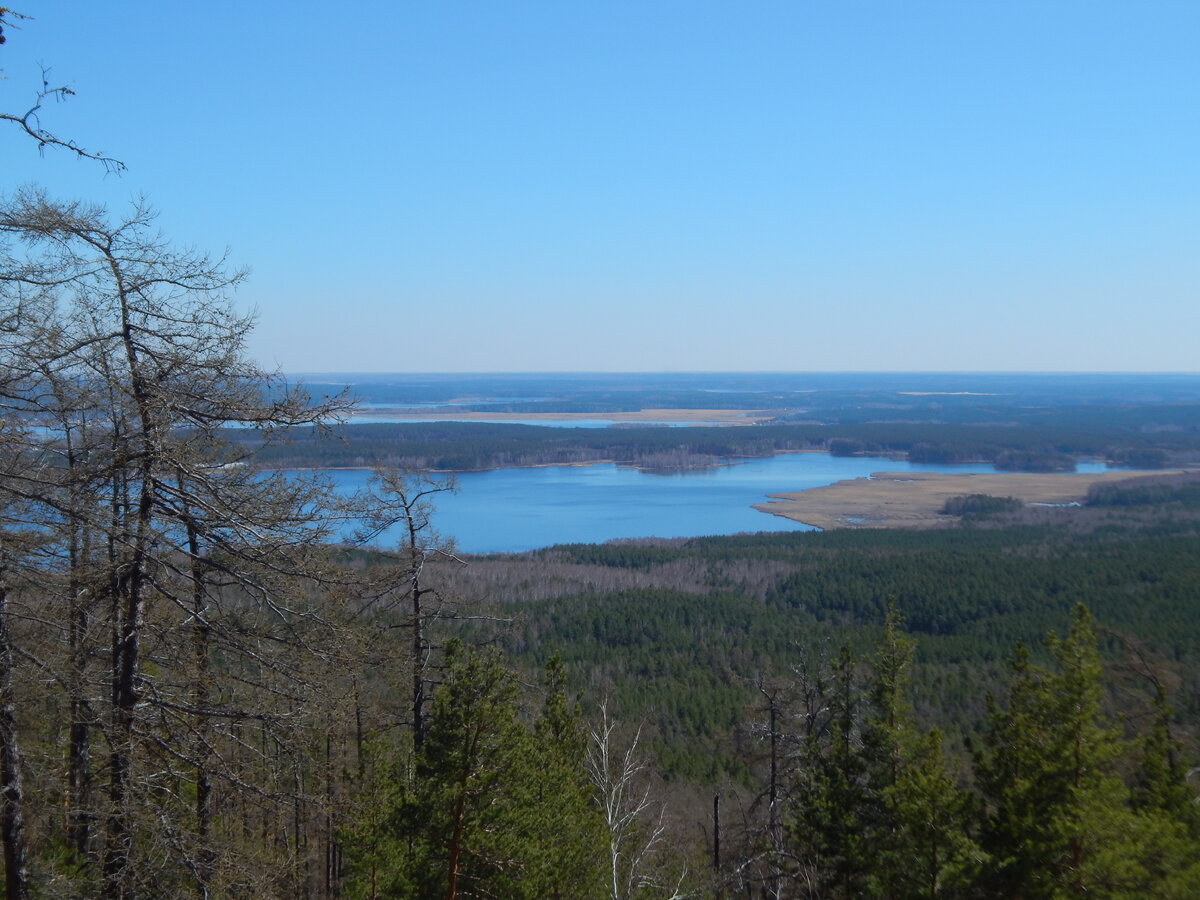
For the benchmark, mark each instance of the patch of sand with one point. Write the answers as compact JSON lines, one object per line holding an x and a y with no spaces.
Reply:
{"x":913,"y":499}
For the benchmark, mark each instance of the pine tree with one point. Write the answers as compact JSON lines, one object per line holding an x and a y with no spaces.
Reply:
{"x":377,"y":846}
{"x":1160,"y":783}
{"x":1058,"y":824}
{"x":917,"y":812}
{"x":828,"y":830}
{"x":565,"y":830}
{"x":467,"y":790}
{"x":1010,"y":763}
{"x":931,"y":852}
{"x":493,"y":808}
{"x":1166,"y":808}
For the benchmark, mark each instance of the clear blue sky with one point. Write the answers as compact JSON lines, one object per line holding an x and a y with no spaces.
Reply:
{"x":527,"y":186}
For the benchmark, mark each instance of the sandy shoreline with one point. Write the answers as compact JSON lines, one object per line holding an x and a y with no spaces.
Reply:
{"x":913,"y":499}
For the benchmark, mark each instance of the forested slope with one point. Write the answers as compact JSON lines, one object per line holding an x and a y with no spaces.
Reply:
{"x":677,"y":632}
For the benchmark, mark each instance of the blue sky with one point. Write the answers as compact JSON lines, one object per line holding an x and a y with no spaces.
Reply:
{"x":653,"y":186}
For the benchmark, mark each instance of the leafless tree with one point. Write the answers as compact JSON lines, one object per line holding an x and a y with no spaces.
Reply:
{"x":122,"y":361}
{"x":636,"y":823}
{"x":406,"y":501}
{"x":12,"y":792}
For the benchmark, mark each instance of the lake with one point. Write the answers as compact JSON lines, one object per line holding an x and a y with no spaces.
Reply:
{"x":512,"y":510}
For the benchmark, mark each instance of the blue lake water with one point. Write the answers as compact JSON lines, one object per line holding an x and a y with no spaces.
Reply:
{"x":512,"y":510}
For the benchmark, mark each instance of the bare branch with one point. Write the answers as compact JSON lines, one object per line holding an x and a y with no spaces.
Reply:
{"x":30,"y":122}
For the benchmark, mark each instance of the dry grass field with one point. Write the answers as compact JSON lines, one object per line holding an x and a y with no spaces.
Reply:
{"x":914,"y":500}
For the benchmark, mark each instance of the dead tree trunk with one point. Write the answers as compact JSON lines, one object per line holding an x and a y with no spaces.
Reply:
{"x":12,"y":820}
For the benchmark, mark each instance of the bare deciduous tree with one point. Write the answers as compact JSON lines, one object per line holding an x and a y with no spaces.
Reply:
{"x":406,"y":500}
{"x":122,"y":359}
{"x":635,"y":821}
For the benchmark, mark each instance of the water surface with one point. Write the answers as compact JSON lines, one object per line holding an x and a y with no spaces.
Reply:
{"x":512,"y":510}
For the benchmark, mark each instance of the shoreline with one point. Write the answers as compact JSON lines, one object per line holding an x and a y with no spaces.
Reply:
{"x":670,"y":414}
{"x":732,"y":461}
{"x":722,"y":461}
{"x":914,"y":499}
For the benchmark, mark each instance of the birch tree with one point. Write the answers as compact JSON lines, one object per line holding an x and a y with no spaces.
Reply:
{"x":635,"y":823}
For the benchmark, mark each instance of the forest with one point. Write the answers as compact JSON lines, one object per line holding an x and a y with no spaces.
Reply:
{"x":208,"y":690}
{"x":470,"y":446}
{"x":626,"y":615}
{"x":1016,"y":422}
{"x":203,"y":694}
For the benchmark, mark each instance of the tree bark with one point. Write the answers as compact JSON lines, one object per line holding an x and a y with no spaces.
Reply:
{"x":12,"y":820}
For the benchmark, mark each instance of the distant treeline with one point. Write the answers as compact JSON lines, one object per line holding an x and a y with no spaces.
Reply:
{"x":1155,"y":400}
{"x":467,"y":446}
{"x":1167,"y":491}
{"x":1039,"y":412}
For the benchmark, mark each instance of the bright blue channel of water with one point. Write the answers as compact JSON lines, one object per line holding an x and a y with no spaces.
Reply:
{"x":513,"y":510}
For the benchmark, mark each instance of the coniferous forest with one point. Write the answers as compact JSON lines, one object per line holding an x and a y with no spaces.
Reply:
{"x":203,"y":694}
{"x":215,"y":683}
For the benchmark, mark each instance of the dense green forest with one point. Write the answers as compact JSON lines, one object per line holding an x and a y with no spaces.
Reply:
{"x":677,"y":632}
